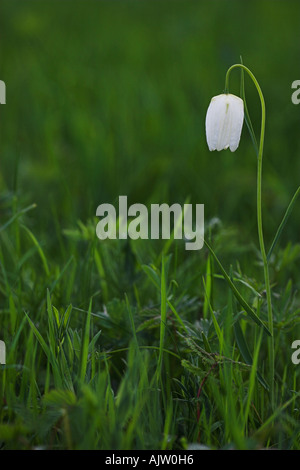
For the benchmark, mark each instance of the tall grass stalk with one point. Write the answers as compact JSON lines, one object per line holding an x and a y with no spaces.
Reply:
{"x":259,"y":218}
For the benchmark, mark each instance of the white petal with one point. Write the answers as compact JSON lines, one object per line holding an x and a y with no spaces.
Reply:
{"x":214,"y":118}
{"x":237,"y":106}
{"x":224,"y":122}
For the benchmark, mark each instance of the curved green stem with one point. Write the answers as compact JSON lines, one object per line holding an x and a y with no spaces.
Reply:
{"x":259,"y":218}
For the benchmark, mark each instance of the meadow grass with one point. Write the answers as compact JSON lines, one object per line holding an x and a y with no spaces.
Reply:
{"x":124,"y":344}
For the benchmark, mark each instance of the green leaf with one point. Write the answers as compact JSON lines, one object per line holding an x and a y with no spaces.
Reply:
{"x":18,"y":214}
{"x":216,"y":325}
{"x":152,"y":275}
{"x":163,"y":315}
{"x":244,"y":350}
{"x":246,"y":113}
{"x":39,"y":249}
{"x":237,"y":295}
{"x":51,"y":325}
{"x":60,"y":398}
{"x":85,"y":345}
{"x":176,"y":315}
{"x":283,"y":222}
{"x":192,"y":368}
{"x":206,"y":343}
{"x":241,"y":342}
{"x":47,"y":351}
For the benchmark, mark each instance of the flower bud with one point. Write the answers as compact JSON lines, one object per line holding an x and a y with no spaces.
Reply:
{"x":224,"y":122}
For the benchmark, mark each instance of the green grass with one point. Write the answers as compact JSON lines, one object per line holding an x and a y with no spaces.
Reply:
{"x":123,"y":344}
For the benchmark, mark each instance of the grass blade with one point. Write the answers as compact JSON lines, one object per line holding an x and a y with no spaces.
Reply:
{"x":283,"y":222}
{"x":237,"y":295}
{"x":47,"y":351}
{"x":85,"y":345}
{"x":38,"y":246}
{"x":163,"y":315}
{"x":244,"y":350}
{"x":246,"y":113}
{"x":17,"y":215}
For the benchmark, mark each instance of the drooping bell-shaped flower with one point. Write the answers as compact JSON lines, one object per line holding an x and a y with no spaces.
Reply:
{"x":224,"y":122}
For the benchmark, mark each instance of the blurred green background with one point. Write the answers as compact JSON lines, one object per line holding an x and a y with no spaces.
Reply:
{"x":108,"y":98}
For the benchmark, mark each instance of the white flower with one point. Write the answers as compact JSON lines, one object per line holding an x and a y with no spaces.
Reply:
{"x":224,"y":122}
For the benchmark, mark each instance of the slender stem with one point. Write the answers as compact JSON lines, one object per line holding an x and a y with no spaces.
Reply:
{"x":259,"y":220}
